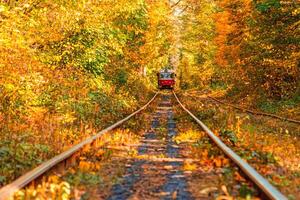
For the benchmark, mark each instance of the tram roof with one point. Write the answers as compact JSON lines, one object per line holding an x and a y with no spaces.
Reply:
{"x":166,"y":71}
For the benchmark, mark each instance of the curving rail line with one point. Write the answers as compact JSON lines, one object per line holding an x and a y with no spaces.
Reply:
{"x":258,"y":179}
{"x":246,"y":110}
{"x":254,"y":112}
{"x":8,"y":191}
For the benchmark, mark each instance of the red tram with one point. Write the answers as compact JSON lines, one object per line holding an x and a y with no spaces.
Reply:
{"x":166,"y":79}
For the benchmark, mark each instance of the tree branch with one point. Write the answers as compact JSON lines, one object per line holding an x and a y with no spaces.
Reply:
{"x":175,"y":4}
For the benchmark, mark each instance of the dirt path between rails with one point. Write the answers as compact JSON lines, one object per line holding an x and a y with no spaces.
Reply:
{"x":159,"y":176}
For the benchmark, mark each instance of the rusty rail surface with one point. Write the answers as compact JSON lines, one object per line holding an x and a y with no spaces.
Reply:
{"x":258,"y":179}
{"x":8,"y":191}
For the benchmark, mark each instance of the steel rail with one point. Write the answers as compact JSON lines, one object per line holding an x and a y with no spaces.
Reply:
{"x":246,"y":110}
{"x":258,"y":179}
{"x":254,"y":112}
{"x":8,"y":191}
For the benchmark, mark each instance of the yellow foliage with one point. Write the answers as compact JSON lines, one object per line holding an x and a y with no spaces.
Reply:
{"x":189,"y":136}
{"x":189,"y":166}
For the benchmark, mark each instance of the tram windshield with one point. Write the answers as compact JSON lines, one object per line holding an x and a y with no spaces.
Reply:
{"x":166,"y":75}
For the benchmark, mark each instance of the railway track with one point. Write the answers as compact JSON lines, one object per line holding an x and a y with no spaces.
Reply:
{"x":158,"y":168}
{"x":246,"y":110}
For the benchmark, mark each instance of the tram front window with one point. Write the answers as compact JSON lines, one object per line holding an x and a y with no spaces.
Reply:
{"x":166,"y":75}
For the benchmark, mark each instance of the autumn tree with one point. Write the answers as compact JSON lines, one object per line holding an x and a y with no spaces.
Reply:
{"x":258,"y":42}
{"x":196,"y":42}
{"x":69,"y":68}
